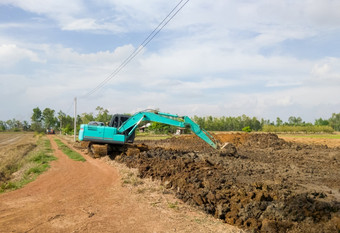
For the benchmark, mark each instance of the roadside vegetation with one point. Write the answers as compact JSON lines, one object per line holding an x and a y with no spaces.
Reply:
{"x":41,"y":120}
{"x":22,"y":163}
{"x":67,"y":151}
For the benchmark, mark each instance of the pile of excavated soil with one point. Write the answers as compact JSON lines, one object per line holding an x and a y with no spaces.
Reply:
{"x":270,"y":186}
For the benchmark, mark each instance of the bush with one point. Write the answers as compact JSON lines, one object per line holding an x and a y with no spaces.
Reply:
{"x":246,"y":129}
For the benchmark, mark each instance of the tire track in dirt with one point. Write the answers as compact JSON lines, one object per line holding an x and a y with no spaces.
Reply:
{"x":86,"y":196}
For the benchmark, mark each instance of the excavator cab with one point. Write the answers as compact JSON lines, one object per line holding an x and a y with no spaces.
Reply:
{"x":117,"y":120}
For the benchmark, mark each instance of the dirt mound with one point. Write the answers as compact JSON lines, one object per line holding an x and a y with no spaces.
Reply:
{"x":194,"y":143}
{"x":272,"y":186}
{"x":256,"y":206}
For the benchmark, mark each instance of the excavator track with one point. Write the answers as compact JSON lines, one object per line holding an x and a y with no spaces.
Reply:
{"x":98,"y":150}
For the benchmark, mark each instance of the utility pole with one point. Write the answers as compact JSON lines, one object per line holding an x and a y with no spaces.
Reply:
{"x":75,"y":118}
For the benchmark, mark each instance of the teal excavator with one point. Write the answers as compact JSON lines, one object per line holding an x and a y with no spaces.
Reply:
{"x":101,"y":139}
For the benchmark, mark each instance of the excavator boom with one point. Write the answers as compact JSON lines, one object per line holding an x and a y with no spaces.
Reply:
{"x":121,"y":134}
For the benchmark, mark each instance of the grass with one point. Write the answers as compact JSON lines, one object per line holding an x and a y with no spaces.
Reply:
{"x":27,"y":167}
{"x":172,"y":205}
{"x":67,"y":151}
{"x":131,"y":179}
{"x":149,"y":136}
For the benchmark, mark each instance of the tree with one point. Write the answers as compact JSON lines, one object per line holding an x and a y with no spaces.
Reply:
{"x":161,"y":128}
{"x":26,"y":126}
{"x":278,"y":121}
{"x":49,"y":119}
{"x":36,"y":120}
{"x":87,"y":117}
{"x":3,"y":126}
{"x":321,"y":121}
{"x":103,"y":115}
{"x":295,"y":121}
{"x":334,"y":121}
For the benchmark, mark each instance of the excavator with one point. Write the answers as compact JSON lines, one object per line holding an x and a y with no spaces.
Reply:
{"x":101,"y":140}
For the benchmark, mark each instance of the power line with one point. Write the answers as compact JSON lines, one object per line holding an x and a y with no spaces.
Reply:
{"x":160,"y":26}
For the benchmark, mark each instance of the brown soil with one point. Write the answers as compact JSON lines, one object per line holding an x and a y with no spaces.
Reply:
{"x":88,"y":196}
{"x":330,"y":142}
{"x":269,"y":185}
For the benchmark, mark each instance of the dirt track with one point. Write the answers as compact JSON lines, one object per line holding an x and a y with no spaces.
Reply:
{"x":88,"y":197}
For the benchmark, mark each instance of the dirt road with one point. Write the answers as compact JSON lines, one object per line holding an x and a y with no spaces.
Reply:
{"x":89,"y":197}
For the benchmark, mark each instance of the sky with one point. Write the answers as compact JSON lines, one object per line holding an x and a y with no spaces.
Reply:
{"x":261,"y":58}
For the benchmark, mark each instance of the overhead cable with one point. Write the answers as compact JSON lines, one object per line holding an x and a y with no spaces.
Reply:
{"x":160,"y":26}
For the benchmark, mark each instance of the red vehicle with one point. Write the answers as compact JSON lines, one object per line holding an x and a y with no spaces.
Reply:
{"x":50,"y":131}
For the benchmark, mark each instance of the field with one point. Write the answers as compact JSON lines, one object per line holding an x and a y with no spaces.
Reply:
{"x":13,"y":148}
{"x":259,"y":183}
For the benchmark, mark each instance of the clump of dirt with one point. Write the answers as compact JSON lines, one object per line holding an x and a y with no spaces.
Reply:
{"x":267,"y":185}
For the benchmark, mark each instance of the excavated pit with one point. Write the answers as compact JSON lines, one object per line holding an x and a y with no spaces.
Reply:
{"x":261,"y":183}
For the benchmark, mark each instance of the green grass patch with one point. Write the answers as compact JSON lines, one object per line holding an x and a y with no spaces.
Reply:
{"x":172,"y":205}
{"x":151,"y":136}
{"x":29,"y":166}
{"x":67,"y":151}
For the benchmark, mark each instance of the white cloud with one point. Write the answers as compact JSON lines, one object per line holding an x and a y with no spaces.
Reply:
{"x":327,"y":71}
{"x":10,"y":54}
{"x":207,"y":61}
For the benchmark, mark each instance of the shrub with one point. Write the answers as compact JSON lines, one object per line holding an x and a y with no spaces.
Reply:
{"x":246,"y":129}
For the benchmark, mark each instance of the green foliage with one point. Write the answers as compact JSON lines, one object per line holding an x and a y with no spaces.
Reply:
{"x":295,"y":120}
{"x":103,"y":115}
{"x":228,"y":123}
{"x":87,"y":117}
{"x":70,"y":153}
{"x":173,"y":205}
{"x":334,"y":121}
{"x":160,"y":128}
{"x":50,"y":120}
{"x":297,"y":129}
{"x":37,"y":115}
{"x":246,"y":129}
{"x":278,"y":121}
{"x":321,"y":121}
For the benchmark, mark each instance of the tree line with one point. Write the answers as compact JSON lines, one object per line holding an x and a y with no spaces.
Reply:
{"x":246,"y":123}
{"x":60,"y":121}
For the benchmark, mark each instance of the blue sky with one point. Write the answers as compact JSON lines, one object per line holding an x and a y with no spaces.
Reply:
{"x":226,"y":57}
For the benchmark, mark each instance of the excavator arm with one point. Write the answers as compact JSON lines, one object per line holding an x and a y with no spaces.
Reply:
{"x":169,"y":119}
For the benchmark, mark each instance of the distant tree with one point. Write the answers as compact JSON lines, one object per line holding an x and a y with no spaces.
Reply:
{"x":3,"y":126}
{"x":87,"y":117}
{"x":160,"y":128}
{"x":334,"y":121}
{"x":321,"y":121}
{"x":278,"y":121}
{"x":37,"y":120}
{"x":49,"y":119}
{"x":295,"y":121}
{"x":255,"y":124}
{"x":102,"y":115}
{"x":10,"y":124}
{"x":26,"y":126}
